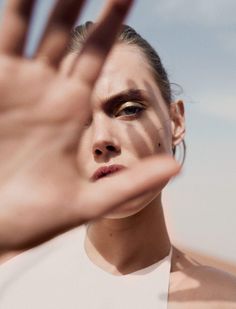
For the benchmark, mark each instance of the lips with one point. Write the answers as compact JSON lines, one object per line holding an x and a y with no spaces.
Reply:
{"x":106,"y":170}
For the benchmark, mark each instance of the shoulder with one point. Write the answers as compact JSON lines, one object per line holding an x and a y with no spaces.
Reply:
{"x":199,"y":286}
{"x":202,"y":287}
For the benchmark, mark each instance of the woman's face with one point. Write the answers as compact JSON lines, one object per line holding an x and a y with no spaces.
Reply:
{"x":129,"y":121}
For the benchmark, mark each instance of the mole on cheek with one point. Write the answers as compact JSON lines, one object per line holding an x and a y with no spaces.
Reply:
{"x":159,"y":144}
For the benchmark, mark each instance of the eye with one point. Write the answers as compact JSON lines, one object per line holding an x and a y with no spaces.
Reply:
{"x":129,"y":109}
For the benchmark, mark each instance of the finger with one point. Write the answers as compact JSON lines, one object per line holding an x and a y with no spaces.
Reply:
{"x":109,"y":193}
{"x":15,"y":26}
{"x":93,"y":54}
{"x":56,"y":37}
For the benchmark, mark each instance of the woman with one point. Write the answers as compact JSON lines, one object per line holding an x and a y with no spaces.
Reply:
{"x":82,"y":119}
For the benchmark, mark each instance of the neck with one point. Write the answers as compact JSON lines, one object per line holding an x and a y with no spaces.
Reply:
{"x":122,"y":246}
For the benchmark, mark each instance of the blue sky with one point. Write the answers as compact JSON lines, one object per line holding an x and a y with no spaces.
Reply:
{"x":197,"y":43}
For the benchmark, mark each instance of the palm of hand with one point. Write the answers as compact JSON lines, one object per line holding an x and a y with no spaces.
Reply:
{"x":38,"y":125}
{"x":41,"y":120}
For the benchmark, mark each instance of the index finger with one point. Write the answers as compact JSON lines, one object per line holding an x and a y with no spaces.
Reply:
{"x":95,"y":50}
{"x":55,"y":39}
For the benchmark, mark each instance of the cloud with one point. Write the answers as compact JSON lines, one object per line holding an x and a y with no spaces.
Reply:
{"x":211,"y":13}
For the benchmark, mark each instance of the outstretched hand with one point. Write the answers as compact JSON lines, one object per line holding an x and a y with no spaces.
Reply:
{"x":42,"y":114}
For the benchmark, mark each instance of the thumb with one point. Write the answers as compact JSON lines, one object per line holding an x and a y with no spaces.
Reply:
{"x":109,"y":193}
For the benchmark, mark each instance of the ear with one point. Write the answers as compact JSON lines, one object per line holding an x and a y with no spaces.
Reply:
{"x":177,"y":122}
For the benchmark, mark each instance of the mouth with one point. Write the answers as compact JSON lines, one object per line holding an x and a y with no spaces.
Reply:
{"x":106,"y":171}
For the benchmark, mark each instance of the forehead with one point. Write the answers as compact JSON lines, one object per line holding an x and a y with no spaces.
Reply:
{"x":126,"y":67}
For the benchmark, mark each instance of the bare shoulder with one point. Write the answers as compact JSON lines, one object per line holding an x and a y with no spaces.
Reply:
{"x":198,"y":286}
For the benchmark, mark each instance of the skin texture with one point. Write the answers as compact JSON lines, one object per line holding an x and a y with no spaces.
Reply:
{"x":61,"y":122}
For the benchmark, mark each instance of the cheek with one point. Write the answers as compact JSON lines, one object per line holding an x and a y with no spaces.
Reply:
{"x":158,"y":130}
{"x":163,"y":141}
{"x":148,"y":138}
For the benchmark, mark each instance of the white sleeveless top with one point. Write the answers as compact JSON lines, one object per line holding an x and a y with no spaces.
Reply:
{"x":59,"y":275}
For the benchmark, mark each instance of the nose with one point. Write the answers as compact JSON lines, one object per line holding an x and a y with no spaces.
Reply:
{"x":105,"y":143}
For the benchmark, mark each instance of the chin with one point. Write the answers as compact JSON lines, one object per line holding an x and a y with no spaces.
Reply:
{"x":132,"y":207}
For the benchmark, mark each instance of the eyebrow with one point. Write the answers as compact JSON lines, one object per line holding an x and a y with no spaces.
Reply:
{"x":128,"y":95}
